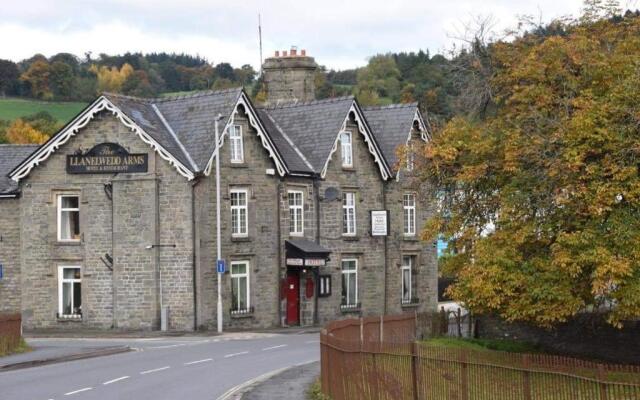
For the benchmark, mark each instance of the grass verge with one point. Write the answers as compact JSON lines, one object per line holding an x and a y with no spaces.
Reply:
{"x":22,"y":347}
{"x":485,"y":344}
{"x":315,"y":392}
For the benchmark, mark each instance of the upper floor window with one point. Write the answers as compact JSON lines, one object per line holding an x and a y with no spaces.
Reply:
{"x":68,"y":218}
{"x":69,"y":292}
{"x":346,"y":148}
{"x":349,"y":213}
{"x":240,"y":286}
{"x":408,"y":280}
{"x":239,"y":226}
{"x":409,"y":205}
{"x":235,"y":144}
{"x":296,"y":212}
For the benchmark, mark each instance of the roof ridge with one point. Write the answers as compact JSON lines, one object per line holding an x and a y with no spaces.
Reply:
{"x":310,"y":102}
{"x":288,"y":139}
{"x":391,"y":106}
{"x":124,"y":96}
{"x":201,"y":93}
{"x":175,"y":137}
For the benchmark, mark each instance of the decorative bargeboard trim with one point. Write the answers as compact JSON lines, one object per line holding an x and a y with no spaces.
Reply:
{"x":254,"y":121}
{"x":62,"y":137}
{"x":368,"y":138}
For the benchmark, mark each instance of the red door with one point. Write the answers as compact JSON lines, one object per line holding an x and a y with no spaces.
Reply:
{"x":293,"y":299}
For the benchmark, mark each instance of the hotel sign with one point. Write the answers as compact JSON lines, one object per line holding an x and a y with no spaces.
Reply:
{"x":379,"y":222}
{"x":307,"y":262}
{"x":106,"y":158}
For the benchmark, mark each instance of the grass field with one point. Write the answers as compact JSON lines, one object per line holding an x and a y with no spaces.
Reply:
{"x":12,"y":108}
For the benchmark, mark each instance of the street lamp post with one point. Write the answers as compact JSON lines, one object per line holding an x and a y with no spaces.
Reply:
{"x":218,"y":244}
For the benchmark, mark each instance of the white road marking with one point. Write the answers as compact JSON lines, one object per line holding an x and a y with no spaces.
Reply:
{"x":274,"y":347}
{"x":236,"y":354}
{"x":168,"y":346}
{"x":115,"y":380}
{"x":78,"y":391}
{"x":154,"y":370}
{"x":199,"y":361}
{"x":198,"y":342}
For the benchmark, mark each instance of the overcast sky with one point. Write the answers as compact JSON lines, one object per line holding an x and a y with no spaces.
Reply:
{"x":339,"y":34}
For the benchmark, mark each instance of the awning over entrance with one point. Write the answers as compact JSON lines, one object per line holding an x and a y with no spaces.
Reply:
{"x":305,"y":253}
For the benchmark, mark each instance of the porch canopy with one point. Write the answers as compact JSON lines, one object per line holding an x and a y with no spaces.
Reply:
{"x":305,"y":253}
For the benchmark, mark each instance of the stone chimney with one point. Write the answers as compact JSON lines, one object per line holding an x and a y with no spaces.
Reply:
{"x":289,"y":77}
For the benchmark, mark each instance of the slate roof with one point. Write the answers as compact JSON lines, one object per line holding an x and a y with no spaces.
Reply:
{"x":391,"y":126}
{"x":10,"y":156}
{"x":312,"y":126}
{"x":187,"y":131}
{"x":307,"y":246}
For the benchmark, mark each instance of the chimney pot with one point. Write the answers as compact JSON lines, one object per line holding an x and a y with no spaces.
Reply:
{"x":284,"y":53}
{"x":303,"y":52}
{"x":277,"y":53}
{"x":294,"y":52}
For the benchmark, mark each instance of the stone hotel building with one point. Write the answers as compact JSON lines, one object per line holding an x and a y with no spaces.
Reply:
{"x":111,"y":224}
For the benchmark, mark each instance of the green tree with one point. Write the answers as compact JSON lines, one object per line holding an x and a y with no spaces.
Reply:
{"x":381,"y":75}
{"x":37,"y":77}
{"x":61,"y":80}
{"x":541,"y":198}
{"x":9,"y":75}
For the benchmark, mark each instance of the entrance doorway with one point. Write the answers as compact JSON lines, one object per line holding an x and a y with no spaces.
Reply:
{"x":293,"y":298}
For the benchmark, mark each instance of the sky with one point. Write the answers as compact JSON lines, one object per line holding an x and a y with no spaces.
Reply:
{"x":340,"y":34}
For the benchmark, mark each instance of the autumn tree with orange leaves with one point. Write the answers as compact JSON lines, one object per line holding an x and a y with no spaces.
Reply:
{"x":540,"y":196}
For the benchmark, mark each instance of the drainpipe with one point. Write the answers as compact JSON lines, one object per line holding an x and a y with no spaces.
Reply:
{"x":157,"y":240}
{"x":316,"y":191}
{"x":386,"y":252}
{"x":193,"y":251}
{"x":279,"y":251}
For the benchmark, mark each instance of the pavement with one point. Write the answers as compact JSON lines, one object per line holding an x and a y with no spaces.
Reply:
{"x":184,"y":367}
{"x":290,"y":384}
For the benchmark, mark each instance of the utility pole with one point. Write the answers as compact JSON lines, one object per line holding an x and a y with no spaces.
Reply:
{"x":260,"y":39}
{"x":218,"y":244}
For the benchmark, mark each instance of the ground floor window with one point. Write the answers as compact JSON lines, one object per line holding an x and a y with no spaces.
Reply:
{"x":408,"y":280}
{"x":324,"y":286}
{"x":240,"y":286}
{"x":69,"y":292}
{"x":349,"y":283}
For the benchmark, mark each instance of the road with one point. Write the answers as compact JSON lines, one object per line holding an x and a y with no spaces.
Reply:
{"x":183,"y":368}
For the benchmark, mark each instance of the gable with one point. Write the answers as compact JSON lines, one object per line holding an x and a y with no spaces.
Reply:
{"x":87,"y":115}
{"x":355,"y":113}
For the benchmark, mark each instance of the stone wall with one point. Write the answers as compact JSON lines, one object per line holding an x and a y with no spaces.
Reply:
{"x":10,"y":287}
{"x":123,"y":226}
{"x":586,"y":336}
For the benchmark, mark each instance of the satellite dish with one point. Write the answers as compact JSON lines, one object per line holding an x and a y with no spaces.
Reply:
{"x":331,"y":194}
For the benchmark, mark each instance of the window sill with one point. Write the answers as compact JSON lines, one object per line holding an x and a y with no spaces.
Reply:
{"x":240,"y":239}
{"x":350,"y":238}
{"x":238,"y":165}
{"x":69,"y":318}
{"x":348,"y":169}
{"x":410,"y":305}
{"x":410,"y":238}
{"x":239,"y":314}
{"x":68,"y":243}
{"x":351,"y":308}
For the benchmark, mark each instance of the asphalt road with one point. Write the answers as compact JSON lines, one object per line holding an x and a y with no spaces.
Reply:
{"x":184,"y":368}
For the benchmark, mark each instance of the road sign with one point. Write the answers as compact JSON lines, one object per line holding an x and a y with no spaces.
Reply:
{"x":1,"y":271}
{"x":221,"y":268}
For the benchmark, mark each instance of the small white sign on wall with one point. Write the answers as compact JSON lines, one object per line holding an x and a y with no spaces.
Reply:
{"x":379,"y":222}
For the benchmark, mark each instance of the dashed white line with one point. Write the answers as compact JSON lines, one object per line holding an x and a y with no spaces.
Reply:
{"x":274,"y":347}
{"x":199,"y":361}
{"x":78,"y":391}
{"x":169,"y":346}
{"x":154,"y":370}
{"x":115,"y":380}
{"x":236,"y":354}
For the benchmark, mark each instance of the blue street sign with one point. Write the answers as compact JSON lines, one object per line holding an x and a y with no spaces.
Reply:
{"x":221,"y":267}
{"x":1,"y":271}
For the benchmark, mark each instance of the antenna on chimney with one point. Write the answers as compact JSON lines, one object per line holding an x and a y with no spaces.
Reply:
{"x":260,"y":39}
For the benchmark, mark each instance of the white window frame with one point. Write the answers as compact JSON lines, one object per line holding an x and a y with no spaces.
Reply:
{"x":243,"y":228}
{"x":409,"y":214}
{"x":346,"y":216}
{"x":346,"y":149}
{"x":59,"y":213}
{"x":61,"y":281}
{"x":406,"y":268}
{"x":236,"y":145}
{"x":296,"y":213}
{"x":242,"y":275}
{"x":353,"y":272}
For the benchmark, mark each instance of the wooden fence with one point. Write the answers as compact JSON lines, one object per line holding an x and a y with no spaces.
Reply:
{"x":10,"y":332}
{"x":379,"y":358}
